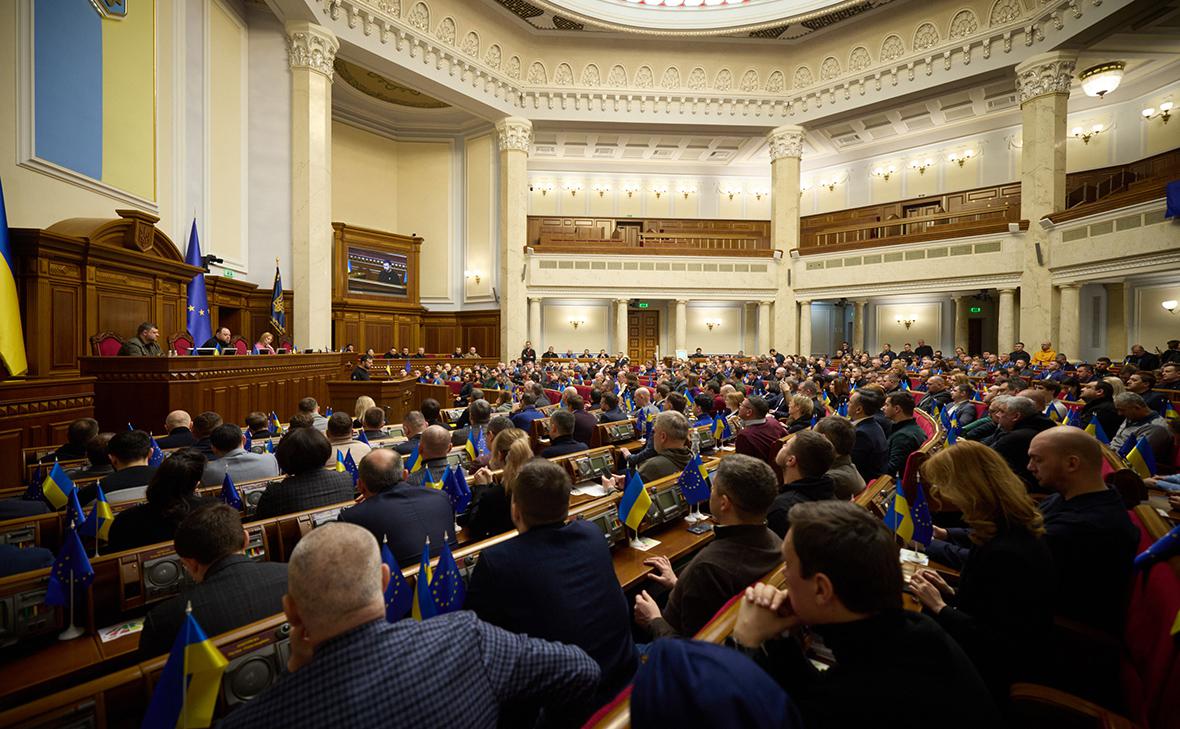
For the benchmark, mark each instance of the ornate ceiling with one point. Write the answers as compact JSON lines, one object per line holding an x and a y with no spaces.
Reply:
{"x":381,"y":88}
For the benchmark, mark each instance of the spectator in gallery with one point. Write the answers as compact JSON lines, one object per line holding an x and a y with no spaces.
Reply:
{"x":1142,"y":359}
{"x":144,"y":343}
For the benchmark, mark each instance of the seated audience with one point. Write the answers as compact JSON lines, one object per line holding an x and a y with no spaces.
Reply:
{"x":870,"y":452}
{"x":340,"y":438}
{"x":98,"y":460}
{"x":528,"y":412}
{"x":231,"y":457}
{"x":702,"y":407}
{"x":203,"y":427}
{"x":568,"y":567}
{"x":129,"y":451}
{"x":300,"y":420}
{"x":760,"y":436}
{"x":906,"y":436}
{"x":984,"y":428}
{"x":1143,"y":384}
{"x":1140,"y":421}
{"x":230,"y":590}
{"x":309,"y":406}
{"x":77,"y":436}
{"x":584,"y":422}
{"x":413,"y":425}
{"x":171,"y":496}
{"x":962,"y":408}
{"x":742,"y":551}
{"x":1004,"y":636}
{"x":611,"y":412}
{"x":301,"y":455}
{"x":670,"y":443}
{"x":433,"y":448}
{"x":843,"y":581}
{"x":178,"y":425}
{"x":145,"y":343}
{"x":489,"y":513}
{"x":846,"y":480}
{"x":373,"y":423}
{"x":1141,"y":358}
{"x":398,"y":513}
{"x":258,"y":423}
{"x":799,"y":410}
{"x":561,"y":439}
{"x":937,"y":395}
{"x":1170,"y":376}
{"x":804,"y":460}
{"x":343,"y":648}
{"x":475,"y":417}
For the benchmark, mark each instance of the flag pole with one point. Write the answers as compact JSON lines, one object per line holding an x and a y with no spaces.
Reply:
{"x":73,"y":631}
{"x":188,"y":611}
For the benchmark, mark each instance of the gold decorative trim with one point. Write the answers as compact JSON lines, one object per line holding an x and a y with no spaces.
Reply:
{"x":383,"y":89}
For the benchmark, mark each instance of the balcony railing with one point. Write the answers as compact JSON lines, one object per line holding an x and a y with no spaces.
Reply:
{"x":913,"y":229}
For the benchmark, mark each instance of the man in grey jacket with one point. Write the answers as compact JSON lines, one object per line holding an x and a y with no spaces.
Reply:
{"x":229,"y":455}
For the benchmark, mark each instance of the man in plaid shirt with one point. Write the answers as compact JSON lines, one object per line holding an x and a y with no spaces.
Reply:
{"x":349,"y":667}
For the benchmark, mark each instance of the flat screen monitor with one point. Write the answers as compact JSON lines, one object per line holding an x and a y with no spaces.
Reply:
{"x":377,"y":273}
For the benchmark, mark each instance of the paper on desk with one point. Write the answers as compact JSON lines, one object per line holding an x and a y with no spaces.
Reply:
{"x":590,"y":489}
{"x":643,"y":543}
{"x":121,"y":630}
{"x":909,"y":555}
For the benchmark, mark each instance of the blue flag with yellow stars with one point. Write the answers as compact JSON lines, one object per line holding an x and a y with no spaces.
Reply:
{"x":920,"y":514}
{"x":364,"y":438}
{"x":229,"y":493}
{"x":398,"y":594}
{"x":351,"y":467}
{"x":157,"y":455}
{"x":456,"y":488}
{"x":446,"y":586}
{"x":71,"y":560}
{"x":694,"y":481}
{"x":198,"y":303}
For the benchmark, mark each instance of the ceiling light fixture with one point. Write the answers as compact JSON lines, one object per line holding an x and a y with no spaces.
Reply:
{"x":1169,"y":306}
{"x":1100,"y":80}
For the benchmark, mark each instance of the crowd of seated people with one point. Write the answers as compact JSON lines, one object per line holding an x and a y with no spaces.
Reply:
{"x":1039,"y":536}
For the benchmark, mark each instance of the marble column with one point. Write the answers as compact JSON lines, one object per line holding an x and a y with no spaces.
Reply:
{"x":786,"y":146}
{"x":1118,"y":322}
{"x":961,"y":304}
{"x":311,"y":49}
{"x":680,"y":340}
{"x":1043,"y":82}
{"x":621,"y":326}
{"x":763,"y":341}
{"x":858,"y":325}
{"x":804,"y":327}
{"x":514,"y":137}
{"x":1068,"y":331}
{"x":1006,"y":328}
{"x":535,"y":322}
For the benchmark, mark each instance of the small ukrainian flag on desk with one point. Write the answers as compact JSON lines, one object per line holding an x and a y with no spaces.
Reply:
{"x":57,"y":487}
{"x":186,"y":693}
{"x":635,"y":502}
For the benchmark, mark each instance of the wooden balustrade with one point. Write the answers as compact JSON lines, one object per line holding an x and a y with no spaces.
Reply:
{"x":980,"y":221}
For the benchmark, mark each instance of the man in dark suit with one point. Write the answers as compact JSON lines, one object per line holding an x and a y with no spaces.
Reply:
{"x":77,"y":436}
{"x":611,"y":412}
{"x":923,"y":349}
{"x":361,"y":371}
{"x":937,"y":396}
{"x":179,"y":426}
{"x":302,"y":454}
{"x":584,"y":422}
{"x":870,"y":452}
{"x":412,"y":426}
{"x":231,"y":590}
{"x":218,"y":342}
{"x":1099,"y":398}
{"x":561,"y":439}
{"x":962,"y":408}
{"x":907,"y":436}
{"x":565,"y":567}
{"x":523,"y":418}
{"x":397,"y":512}
{"x":129,"y":451}
{"x":528,"y":354}
{"x":760,"y":436}
{"x":258,"y":423}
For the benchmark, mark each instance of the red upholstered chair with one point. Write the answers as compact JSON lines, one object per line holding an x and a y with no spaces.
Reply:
{"x":181,"y":343}
{"x":980,"y":409}
{"x":106,"y":344}
{"x":285,"y":343}
{"x":553,"y":395}
{"x":239,"y":343}
{"x":455,"y":387}
{"x":584,"y":391}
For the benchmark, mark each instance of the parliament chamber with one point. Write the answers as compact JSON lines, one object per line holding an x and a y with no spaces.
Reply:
{"x":639,"y":363}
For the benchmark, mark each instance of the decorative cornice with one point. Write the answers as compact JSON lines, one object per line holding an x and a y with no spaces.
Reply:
{"x":785,"y":141}
{"x":1045,"y":74}
{"x":514,"y":133}
{"x":998,"y":281}
{"x":1145,"y":263}
{"x":312,"y":47}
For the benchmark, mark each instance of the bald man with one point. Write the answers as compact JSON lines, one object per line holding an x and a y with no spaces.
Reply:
{"x":343,"y":652}
{"x":179,"y":426}
{"x":433,"y":448}
{"x":937,"y":395}
{"x":1086,"y":526}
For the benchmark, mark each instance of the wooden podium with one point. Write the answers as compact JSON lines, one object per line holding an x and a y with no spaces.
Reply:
{"x":396,"y":396}
{"x":143,"y":390}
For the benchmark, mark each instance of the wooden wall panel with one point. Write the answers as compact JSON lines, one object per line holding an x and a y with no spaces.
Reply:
{"x":63,"y":328}
{"x":37,"y":413}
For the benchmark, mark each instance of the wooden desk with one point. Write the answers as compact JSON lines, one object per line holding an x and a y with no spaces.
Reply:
{"x":395,"y":396}
{"x":143,"y":390}
{"x":37,"y":413}
{"x":675,"y":541}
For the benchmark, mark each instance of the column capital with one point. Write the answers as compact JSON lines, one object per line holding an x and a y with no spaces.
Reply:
{"x":1071,"y":285}
{"x":1044,"y":74}
{"x":785,"y":141}
{"x":765,"y":303}
{"x":1008,"y":291}
{"x":860,"y":302}
{"x":535,"y":299}
{"x":681,"y":302}
{"x":622,"y":301}
{"x":514,"y":133}
{"x":312,"y":47}
{"x":804,"y":302}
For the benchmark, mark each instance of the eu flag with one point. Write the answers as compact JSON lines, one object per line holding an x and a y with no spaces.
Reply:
{"x":157,"y":455}
{"x":455,"y":487}
{"x":278,"y":312}
{"x":635,"y":502}
{"x":363,"y":438}
{"x":693,"y":481}
{"x":198,"y":302}
{"x":920,"y":514}
{"x":397,"y":593}
{"x":423,"y":605}
{"x":249,"y":441}
{"x":12,"y":340}
{"x":229,"y":493}
{"x":71,"y":561}
{"x":446,"y":586}
{"x":350,"y":466}
{"x":186,"y":693}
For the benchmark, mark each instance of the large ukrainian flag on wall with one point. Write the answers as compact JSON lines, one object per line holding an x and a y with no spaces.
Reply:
{"x":95,"y":91}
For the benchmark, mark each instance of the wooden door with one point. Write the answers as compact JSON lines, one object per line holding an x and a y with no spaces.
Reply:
{"x":974,"y":336}
{"x":643,"y":334}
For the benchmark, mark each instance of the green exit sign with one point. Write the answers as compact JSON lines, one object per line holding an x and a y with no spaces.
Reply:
{"x":642,"y":305}
{"x":976,"y":309}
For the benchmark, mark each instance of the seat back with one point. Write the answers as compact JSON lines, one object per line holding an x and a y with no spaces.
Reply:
{"x":240,"y":345}
{"x":105,"y":344}
{"x":181,"y":343}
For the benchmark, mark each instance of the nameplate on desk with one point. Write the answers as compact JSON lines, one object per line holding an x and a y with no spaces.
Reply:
{"x":121,"y":630}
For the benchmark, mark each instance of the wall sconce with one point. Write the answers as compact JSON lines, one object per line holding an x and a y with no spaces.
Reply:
{"x":804,"y":187}
{"x":1169,"y":306}
{"x":908,"y":322}
{"x":760,"y":192}
{"x":472,"y":274}
{"x":960,"y":158}
{"x":602,"y":188}
{"x":630,"y":188}
{"x":830,"y":184}
{"x":688,"y":190}
{"x":731,"y":192}
{"x":712,"y":323}
{"x":575,"y":323}
{"x":1164,"y":112}
{"x":573,"y":188}
{"x":884,"y":172}
{"x":544,"y":188}
{"x":659,"y":190}
{"x":1086,"y":136}
{"x":921,"y":165}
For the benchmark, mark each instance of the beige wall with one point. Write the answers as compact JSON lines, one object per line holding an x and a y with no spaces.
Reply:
{"x":225,"y":232}
{"x":927,"y":324}
{"x":424,"y":208}
{"x":727,"y":338}
{"x":1155,"y":325}
{"x":364,"y":179}
{"x":557,"y":332}
{"x":480,"y":215}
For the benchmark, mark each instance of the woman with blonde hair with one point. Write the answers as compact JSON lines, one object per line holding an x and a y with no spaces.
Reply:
{"x":800,"y":408}
{"x":490,"y":507}
{"x":1002,"y":611}
{"x":1119,"y":386}
{"x":363,"y":403}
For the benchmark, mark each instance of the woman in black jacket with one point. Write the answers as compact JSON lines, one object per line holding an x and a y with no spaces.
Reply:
{"x":171,"y":496}
{"x":490,"y":513}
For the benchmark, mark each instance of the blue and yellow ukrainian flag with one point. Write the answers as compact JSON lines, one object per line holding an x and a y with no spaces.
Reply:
{"x":57,"y":487}
{"x":340,"y":461}
{"x":447,"y":590}
{"x":423,"y":606}
{"x":476,"y":445}
{"x":1095,"y":429}
{"x":98,"y":524}
{"x":1142,"y":459}
{"x":413,"y":462}
{"x":635,"y":502}
{"x":718,"y":427}
{"x":12,"y":340}
{"x":431,"y":482}
{"x":1169,"y":410}
{"x":186,"y":693}
{"x":898,"y":518}
{"x":397,"y":593}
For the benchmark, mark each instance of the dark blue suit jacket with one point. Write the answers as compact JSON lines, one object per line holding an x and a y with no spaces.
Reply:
{"x":563,"y":445}
{"x":557,"y":582}
{"x":406,"y":515}
{"x":870,"y":452}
